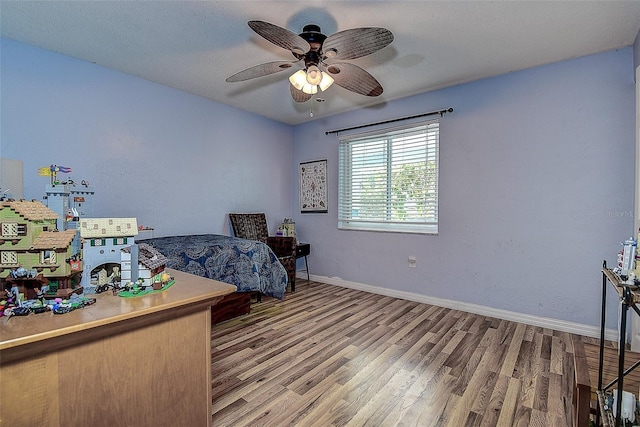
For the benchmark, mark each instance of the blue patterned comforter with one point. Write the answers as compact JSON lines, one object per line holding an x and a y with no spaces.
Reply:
{"x":248,"y":264}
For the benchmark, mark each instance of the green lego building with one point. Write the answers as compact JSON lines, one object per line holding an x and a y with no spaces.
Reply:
{"x":29,"y":240}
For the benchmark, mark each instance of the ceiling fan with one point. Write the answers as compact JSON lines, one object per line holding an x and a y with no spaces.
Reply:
{"x":321,"y":57}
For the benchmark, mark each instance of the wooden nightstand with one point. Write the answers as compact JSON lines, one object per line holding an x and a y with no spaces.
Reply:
{"x":302,"y":250}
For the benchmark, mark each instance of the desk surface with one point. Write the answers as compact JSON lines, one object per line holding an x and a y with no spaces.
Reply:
{"x":188,"y":293}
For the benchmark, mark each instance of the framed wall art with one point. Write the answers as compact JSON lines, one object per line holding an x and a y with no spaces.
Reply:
{"x":313,"y":187}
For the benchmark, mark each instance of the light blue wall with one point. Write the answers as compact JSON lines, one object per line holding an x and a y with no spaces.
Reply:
{"x":536,"y":182}
{"x":536,"y":177}
{"x":176,"y":161}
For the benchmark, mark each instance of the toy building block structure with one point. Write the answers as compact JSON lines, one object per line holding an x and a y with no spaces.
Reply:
{"x":33,"y":253}
{"x":57,"y":199}
{"x":103,"y":238}
{"x":71,"y":203}
{"x":150,"y":266}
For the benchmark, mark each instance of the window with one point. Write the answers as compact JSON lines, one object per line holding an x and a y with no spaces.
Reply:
{"x":388,"y":180}
{"x":8,"y":257}
{"x":48,"y":257}
{"x":13,"y":229}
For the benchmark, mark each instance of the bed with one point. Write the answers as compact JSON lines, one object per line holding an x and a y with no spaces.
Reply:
{"x":248,"y":264}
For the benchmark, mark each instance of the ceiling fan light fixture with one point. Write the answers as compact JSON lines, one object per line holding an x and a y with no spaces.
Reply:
{"x":298,"y":79}
{"x":310,"y":89}
{"x":326,"y":81}
{"x":314,"y":75}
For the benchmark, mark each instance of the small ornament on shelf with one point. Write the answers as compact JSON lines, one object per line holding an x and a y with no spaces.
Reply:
{"x":287,"y":228}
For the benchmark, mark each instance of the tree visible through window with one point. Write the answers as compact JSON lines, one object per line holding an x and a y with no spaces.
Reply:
{"x":388,"y":180}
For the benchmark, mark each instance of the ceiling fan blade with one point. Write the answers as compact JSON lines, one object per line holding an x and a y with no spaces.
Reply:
{"x":281,"y":37}
{"x":356,"y":43}
{"x":298,"y":95}
{"x":354,"y":78}
{"x":260,"y":71}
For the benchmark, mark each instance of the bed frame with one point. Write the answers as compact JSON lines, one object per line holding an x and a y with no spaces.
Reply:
{"x":230,"y":306}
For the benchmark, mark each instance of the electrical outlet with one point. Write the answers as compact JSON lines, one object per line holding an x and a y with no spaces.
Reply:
{"x":412,"y":262}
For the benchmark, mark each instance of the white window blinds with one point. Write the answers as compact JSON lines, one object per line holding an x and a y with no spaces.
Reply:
{"x":388,"y":179}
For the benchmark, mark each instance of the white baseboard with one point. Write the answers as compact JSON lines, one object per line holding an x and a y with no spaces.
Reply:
{"x":544,"y":322}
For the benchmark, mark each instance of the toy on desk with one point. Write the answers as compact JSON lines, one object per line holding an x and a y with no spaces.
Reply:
{"x":626,"y":262}
{"x":13,"y":294}
{"x":16,"y":311}
{"x":23,"y":273}
{"x":70,"y":203}
{"x":628,"y":256}
{"x":164,"y":279}
{"x":11,"y":302}
{"x":37,"y":253}
{"x":52,"y":171}
{"x":57,"y":306}
{"x":159,"y":283}
{"x":4,"y":194}
{"x":67,"y":200}
{"x":75,"y":302}
{"x":103,"y":240}
{"x":142,"y":261}
{"x":14,"y":304}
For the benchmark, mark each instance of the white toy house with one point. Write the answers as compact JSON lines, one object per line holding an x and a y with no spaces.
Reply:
{"x":104,"y":239}
{"x":151,"y":264}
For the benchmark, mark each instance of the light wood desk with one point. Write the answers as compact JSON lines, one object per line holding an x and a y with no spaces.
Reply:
{"x":143,"y":361}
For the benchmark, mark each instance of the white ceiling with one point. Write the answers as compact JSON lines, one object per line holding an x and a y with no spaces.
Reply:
{"x":195,"y":45}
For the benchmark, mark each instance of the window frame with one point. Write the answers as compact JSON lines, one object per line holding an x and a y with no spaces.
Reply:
{"x":49,"y":257}
{"x":6,"y":256}
{"x":20,"y":229}
{"x":389,"y":144}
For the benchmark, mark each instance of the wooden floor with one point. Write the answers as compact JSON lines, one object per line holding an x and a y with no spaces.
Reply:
{"x":610,"y":367}
{"x":332,"y":356}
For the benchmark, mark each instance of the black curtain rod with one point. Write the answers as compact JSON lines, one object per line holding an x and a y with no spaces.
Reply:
{"x":432,"y":113}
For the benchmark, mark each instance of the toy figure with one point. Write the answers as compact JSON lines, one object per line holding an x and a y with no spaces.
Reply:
{"x":102,"y":277}
{"x":15,"y":295}
{"x":19,"y":273}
